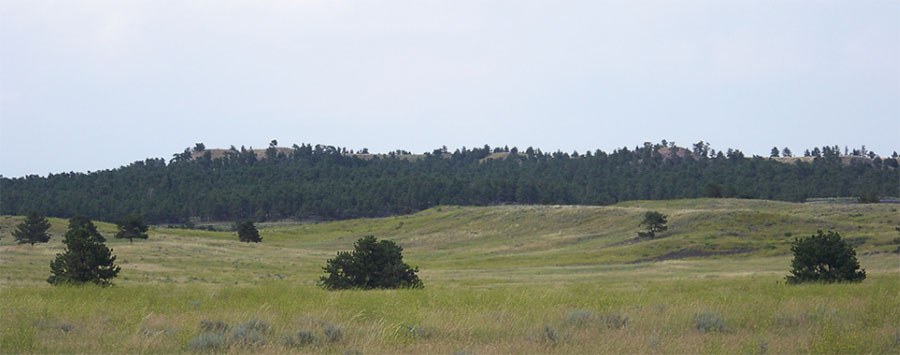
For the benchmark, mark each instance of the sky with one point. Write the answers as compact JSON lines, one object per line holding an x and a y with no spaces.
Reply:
{"x":91,"y":85}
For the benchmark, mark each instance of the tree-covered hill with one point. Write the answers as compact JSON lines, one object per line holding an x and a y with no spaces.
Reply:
{"x":326,"y":182}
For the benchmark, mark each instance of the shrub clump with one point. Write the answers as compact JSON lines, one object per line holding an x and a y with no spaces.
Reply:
{"x":301,"y":338}
{"x":333,"y":333}
{"x":579,"y":317}
{"x":207,"y":342}
{"x":243,"y":336}
{"x":216,"y":335}
{"x":708,"y":322}
{"x":615,"y":321}
{"x":824,"y":257}
{"x":418,"y":332}
{"x":255,"y":324}
{"x":582,"y":318}
{"x":372,"y":264}
{"x":249,"y":333}
{"x":549,"y":335}
{"x":214,"y":326}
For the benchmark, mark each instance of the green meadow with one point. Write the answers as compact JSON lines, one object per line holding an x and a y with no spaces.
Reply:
{"x":501,"y":279}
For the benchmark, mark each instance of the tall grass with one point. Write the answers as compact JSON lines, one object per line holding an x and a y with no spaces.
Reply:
{"x":663,"y":316}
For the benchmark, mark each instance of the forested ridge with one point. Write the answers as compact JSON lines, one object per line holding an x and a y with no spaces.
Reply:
{"x":326,"y":182}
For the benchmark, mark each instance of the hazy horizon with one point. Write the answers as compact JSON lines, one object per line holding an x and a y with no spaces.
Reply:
{"x":93,"y":85}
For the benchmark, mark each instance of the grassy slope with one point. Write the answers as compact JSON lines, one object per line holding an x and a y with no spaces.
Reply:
{"x":494,"y":275}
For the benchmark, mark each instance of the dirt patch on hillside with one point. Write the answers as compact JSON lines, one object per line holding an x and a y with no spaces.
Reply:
{"x":692,"y":253}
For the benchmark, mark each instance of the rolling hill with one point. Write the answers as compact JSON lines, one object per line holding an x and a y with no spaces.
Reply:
{"x":503,"y":279}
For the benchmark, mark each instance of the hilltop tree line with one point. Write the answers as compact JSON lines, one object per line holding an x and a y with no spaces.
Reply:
{"x":326,"y":182}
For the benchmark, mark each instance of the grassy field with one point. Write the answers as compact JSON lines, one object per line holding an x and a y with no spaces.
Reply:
{"x":505,"y":279}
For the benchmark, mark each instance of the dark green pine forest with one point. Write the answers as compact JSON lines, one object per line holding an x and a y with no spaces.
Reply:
{"x":326,"y":182}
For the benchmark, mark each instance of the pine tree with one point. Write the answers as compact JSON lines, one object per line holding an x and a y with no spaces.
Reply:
{"x":786,"y":152}
{"x":248,"y":233}
{"x":372,"y":264}
{"x":824,"y":257}
{"x":32,"y":230}
{"x":132,"y":226}
{"x":85,"y":259}
{"x":655,"y":222}
{"x":84,"y":222}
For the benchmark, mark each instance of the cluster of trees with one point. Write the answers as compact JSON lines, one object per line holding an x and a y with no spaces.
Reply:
{"x":832,"y":151}
{"x":35,"y":228}
{"x":326,"y":182}
{"x":86,"y":259}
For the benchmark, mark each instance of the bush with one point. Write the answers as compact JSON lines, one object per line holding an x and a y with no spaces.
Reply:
{"x":215,"y":335}
{"x":206,"y":342}
{"x":548,"y":335}
{"x":250,"y":333}
{"x":579,"y":318}
{"x":824,"y":257}
{"x":870,"y":197}
{"x":305,"y":337}
{"x":583,"y":317}
{"x":214,"y":326}
{"x":413,"y":331}
{"x":615,"y":321}
{"x":255,"y":324}
{"x":245,"y":336}
{"x":372,"y":264}
{"x":333,"y":333}
{"x":709,"y":322}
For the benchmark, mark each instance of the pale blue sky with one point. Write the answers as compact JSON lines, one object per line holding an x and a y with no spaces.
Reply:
{"x":88,"y":85}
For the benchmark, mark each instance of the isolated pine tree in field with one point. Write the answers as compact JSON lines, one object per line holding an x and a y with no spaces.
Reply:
{"x":85,"y":260}
{"x":32,"y":230}
{"x":824,"y":257}
{"x":248,"y":233}
{"x":84,"y":222}
{"x":132,"y":226}
{"x":655,"y":222}
{"x":372,"y":264}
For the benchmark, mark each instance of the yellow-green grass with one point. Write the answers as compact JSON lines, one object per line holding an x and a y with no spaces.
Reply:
{"x":498,"y":279}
